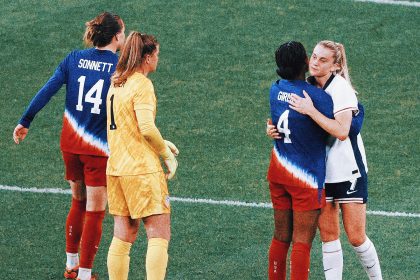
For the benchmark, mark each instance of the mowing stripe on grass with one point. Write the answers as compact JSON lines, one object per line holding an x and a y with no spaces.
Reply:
{"x":205,"y":201}
{"x":403,"y":3}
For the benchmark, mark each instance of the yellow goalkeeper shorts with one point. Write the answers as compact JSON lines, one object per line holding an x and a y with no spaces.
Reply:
{"x":138,"y":196}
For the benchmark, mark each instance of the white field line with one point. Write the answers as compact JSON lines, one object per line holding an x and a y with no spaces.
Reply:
{"x":392,"y":2}
{"x":205,"y":201}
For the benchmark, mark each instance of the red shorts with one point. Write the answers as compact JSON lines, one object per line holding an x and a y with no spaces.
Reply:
{"x":89,"y":169}
{"x":300,"y":199}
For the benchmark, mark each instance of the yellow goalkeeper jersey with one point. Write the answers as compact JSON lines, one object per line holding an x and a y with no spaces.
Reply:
{"x":130,"y":153}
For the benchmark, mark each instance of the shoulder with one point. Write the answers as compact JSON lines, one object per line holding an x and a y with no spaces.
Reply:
{"x":343,"y":95}
{"x":72,"y":56}
{"x":340,"y":85}
{"x":76,"y":53}
{"x":340,"y":89}
{"x":140,"y":84}
{"x":274,"y":86}
{"x":315,"y":92}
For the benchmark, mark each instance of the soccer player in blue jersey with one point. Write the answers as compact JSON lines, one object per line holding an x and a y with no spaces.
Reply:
{"x":297,"y":168}
{"x":346,"y":173}
{"x":86,"y":74}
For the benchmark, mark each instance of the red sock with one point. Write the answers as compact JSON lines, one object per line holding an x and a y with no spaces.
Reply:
{"x":300,"y":261}
{"x":91,"y":237}
{"x":74,"y":225}
{"x":277,"y":256}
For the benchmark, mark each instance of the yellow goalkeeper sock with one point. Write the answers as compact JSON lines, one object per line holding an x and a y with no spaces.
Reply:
{"x":156,"y":258}
{"x":118,"y":259}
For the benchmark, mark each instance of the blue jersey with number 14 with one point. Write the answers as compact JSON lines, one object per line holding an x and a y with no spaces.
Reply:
{"x":298,"y":158}
{"x":87,"y":75}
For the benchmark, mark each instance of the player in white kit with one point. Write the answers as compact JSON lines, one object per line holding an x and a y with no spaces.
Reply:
{"x":346,"y":173}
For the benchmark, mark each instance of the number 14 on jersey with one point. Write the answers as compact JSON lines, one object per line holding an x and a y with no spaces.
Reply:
{"x":92,"y":96}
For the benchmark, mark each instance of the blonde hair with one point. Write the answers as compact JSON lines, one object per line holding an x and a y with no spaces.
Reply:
{"x":136,"y":47}
{"x":339,"y":55}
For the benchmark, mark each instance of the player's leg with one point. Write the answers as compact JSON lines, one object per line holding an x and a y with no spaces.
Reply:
{"x":125,"y":233}
{"x":354,"y":220}
{"x":329,"y":227}
{"x":156,"y":218}
{"x":76,"y":215}
{"x":96,"y":199}
{"x":74,"y":228}
{"x":304,"y":229}
{"x":306,"y":204}
{"x":125,"y":230}
{"x":283,"y":225}
{"x":92,"y":229}
{"x":158,"y":230}
{"x":139,"y":197}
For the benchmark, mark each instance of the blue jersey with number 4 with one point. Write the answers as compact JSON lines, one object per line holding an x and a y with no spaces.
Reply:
{"x":87,"y":75}
{"x":298,"y":158}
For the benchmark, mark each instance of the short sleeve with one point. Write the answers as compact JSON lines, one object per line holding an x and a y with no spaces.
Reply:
{"x":343,"y":95}
{"x":145,"y":98}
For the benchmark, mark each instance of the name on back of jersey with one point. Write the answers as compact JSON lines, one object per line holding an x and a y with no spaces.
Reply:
{"x":284,"y":96}
{"x":95,"y":65}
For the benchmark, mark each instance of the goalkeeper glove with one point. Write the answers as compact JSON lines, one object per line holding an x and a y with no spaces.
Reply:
{"x":170,"y":160}
{"x":172,"y":146}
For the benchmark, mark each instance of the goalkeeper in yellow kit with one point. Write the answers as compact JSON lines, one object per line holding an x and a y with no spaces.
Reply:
{"x":137,"y":189}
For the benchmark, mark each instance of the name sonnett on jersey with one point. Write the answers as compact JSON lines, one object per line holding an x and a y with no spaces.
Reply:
{"x":95,"y":65}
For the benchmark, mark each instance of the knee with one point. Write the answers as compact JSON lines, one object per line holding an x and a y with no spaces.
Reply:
{"x":78,"y":190}
{"x":127,"y":234}
{"x":163,"y":232}
{"x":329,"y":232}
{"x":283,"y":236}
{"x":356,"y":239}
{"x":303,"y":236}
{"x":96,"y":201}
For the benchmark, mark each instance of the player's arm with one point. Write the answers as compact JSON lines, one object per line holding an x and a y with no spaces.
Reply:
{"x":146,"y":123}
{"x":39,"y":101}
{"x":45,"y":94}
{"x":357,"y":121}
{"x":338,"y":127}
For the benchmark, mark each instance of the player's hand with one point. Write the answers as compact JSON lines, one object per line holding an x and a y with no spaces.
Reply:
{"x":271,"y":130}
{"x":19,"y":133}
{"x":170,"y":162}
{"x":301,"y":105}
{"x":172,"y":146}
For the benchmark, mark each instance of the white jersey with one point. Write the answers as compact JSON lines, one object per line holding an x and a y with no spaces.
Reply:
{"x":343,"y":156}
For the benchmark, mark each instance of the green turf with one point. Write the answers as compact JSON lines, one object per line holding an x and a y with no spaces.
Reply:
{"x":216,"y":66}
{"x":223,"y":242}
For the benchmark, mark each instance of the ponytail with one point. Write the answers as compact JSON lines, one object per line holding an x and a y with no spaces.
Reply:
{"x":101,"y":30}
{"x":136,"y":47}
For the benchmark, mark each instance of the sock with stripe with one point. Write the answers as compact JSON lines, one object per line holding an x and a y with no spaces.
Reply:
{"x":118,"y":261}
{"x":277,"y":257}
{"x":332,"y":258}
{"x":369,"y":259}
{"x":156,"y":258}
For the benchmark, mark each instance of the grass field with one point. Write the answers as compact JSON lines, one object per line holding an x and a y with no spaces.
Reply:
{"x":216,"y":66}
